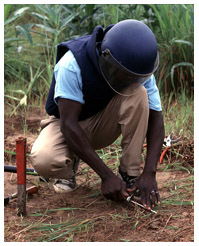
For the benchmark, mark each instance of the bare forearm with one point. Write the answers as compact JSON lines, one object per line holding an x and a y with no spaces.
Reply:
{"x":112,"y":187}
{"x":80,"y":145}
{"x":155,"y":138}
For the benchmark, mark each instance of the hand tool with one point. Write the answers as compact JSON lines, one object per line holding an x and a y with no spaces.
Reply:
{"x":130,"y":199}
{"x":29,"y":191}
{"x":13,"y":169}
{"x":168,"y":142}
{"x":29,"y":171}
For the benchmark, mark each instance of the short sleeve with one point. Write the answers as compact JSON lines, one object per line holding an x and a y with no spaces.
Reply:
{"x":153,"y":94}
{"x":68,"y":79}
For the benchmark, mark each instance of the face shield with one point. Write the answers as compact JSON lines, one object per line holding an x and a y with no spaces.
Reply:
{"x":119,"y":78}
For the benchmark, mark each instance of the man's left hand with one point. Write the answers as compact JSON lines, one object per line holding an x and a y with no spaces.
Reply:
{"x":148,"y":188}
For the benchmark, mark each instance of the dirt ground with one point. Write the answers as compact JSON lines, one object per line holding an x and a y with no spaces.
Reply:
{"x":93,"y":218}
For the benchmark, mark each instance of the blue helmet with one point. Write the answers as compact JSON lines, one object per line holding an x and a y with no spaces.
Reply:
{"x":129,"y":55}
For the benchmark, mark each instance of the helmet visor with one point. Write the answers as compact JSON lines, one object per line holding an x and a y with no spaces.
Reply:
{"x":119,"y":78}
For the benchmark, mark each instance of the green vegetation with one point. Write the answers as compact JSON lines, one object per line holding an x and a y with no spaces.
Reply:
{"x":33,"y":31}
{"x":31,"y":35}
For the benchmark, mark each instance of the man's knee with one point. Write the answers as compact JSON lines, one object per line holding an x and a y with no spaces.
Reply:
{"x":143,"y":98}
{"x":50,"y":163}
{"x":40,"y":160}
{"x":138,"y":101}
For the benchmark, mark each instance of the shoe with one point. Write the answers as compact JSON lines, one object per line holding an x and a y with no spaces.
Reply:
{"x":64,"y":185}
{"x":129,"y":180}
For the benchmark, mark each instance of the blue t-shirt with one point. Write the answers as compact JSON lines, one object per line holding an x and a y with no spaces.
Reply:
{"x":69,"y":83}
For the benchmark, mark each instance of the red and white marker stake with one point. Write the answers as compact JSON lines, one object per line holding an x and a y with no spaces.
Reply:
{"x":21,"y":175}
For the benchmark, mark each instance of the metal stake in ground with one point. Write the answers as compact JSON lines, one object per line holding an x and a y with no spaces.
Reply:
{"x":21,"y":175}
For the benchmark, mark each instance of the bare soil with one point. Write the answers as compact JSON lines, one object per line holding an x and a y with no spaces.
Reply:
{"x":94,"y":219}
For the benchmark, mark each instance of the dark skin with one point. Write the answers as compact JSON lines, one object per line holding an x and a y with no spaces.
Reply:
{"x":112,"y":187}
{"x":147,"y":181}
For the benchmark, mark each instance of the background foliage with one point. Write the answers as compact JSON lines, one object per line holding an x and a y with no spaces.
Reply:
{"x":31,"y":33}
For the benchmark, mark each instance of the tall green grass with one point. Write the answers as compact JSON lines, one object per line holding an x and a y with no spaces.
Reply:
{"x":33,"y":31}
{"x":174,"y":28}
{"x":179,"y":115}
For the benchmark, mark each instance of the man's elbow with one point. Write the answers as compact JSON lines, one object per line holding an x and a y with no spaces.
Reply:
{"x":69,"y":129}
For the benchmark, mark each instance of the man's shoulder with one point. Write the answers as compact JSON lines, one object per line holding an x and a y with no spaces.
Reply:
{"x":68,"y":62}
{"x":150,"y":81}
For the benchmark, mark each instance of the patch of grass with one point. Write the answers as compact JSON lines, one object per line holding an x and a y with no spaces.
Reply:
{"x":179,"y":115}
{"x":125,"y":240}
{"x":64,"y":231}
{"x":181,"y":192}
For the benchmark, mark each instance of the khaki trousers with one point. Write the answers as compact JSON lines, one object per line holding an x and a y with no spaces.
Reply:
{"x":51,"y":157}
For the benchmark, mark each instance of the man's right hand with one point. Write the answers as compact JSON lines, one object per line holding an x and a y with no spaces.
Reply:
{"x":114,"y":188}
